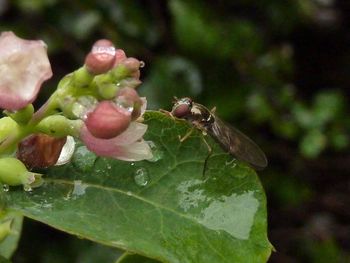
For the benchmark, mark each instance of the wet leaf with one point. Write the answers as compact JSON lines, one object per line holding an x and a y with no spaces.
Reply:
{"x":134,"y":258}
{"x":9,"y":244}
{"x":176,"y":214}
{"x":4,"y":260}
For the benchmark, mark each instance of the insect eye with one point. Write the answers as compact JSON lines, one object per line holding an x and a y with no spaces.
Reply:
{"x":181,"y":110}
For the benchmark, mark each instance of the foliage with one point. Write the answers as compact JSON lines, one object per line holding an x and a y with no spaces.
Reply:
{"x":276,"y":69}
{"x":186,"y":216}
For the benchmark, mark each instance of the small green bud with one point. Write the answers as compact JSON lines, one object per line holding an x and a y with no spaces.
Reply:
{"x":82,"y":78}
{"x":59,"y":126}
{"x":108,"y":91}
{"x":21,"y":116}
{"x":14,"y":172}
{"x":7,"y":126}
{"x":120,"y":72}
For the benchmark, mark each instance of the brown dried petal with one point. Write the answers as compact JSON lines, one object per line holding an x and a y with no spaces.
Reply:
{"x":40,"y":150}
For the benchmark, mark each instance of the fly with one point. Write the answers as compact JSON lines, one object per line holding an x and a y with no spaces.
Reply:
{"x":231,"y":139}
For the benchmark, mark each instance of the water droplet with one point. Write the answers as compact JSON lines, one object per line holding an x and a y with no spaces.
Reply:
{"x":141,"y":177}
{"x":104,"y":49}
{"x":27,"y":188}
{"x":218,"y":215}
{"x":192,"y":194}
{"x":156,"y":151}
{"x":5,"y":187}
{"x":142,"y":64}
{"x":124,"y":103}
{"x":83,"y":106}
{"x":68,"y":195}
{"x":83,"y":159}
{"x":79,"y":188}
{"x":132,"y":164}
{"x":232,"y":163}
{"x":129,"y":193}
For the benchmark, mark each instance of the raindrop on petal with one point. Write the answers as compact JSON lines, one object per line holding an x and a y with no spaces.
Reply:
{"x":83,"y":106}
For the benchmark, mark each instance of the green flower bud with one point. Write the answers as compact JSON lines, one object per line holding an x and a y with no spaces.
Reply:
{"x":120,"y":72}
{"x":108,"y":91}
{"x":21,"y":116}
{"x":14,"y":172}
{"x":7,"y":126}
{"x":59,"y":126}
{"x":82,"y":78}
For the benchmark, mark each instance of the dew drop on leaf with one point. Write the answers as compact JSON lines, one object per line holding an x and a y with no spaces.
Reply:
{"x":156,"y":151}
{"x":141,"y":177}
{"x":5,"y":187}
{"x":79,"y":188}
{"x":27,"y":188}
{"x":83,"y":159}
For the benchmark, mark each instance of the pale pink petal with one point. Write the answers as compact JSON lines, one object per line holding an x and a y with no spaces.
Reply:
{"x":136,"y":151}
{"x":24,"y":66}
{"x":133,"y":133}
{"x":121,"y":147}
{"x":144,"y":105}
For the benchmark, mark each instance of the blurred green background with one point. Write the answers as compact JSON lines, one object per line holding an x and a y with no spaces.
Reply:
{"x":277,"y":70}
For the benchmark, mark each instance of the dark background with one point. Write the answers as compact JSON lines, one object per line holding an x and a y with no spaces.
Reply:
{"x":277,"y":70}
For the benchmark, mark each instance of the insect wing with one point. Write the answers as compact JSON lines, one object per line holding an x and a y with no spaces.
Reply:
{"x":238,"y":144}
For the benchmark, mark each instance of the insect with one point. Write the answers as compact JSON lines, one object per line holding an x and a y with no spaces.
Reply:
{"x":231,"y":139}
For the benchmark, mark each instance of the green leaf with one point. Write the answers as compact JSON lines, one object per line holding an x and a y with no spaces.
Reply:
{"x":313,"y":143}
{"x":216,"y":37}
{"x":165,"y":209}
{"x":134,"y":258}
{"x":4,"y":260}
{"x":9,"y":244}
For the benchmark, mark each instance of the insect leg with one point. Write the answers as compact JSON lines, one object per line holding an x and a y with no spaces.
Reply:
{"x":210,"y":151}
{"x":184,"y":138}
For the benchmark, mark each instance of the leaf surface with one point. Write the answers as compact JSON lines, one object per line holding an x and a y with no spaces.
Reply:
{"x":165,"y":209}
{"x":9,"y":244}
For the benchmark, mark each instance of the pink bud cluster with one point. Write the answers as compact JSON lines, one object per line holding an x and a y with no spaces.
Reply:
{"x":108,"y":130}
{"x":111,"y":126}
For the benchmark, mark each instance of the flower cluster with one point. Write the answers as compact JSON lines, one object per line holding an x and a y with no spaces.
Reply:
{"x":97,"y":104}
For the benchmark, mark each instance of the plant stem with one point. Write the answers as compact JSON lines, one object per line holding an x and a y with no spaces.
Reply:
{"x":24,"y":130}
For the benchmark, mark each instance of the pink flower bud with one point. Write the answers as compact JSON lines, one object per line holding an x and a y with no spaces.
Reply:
{"x":130,"y":96}
{"x":24,"y":67}
{"x":119,"y":56}
{"x":101,"y":57}
{"x":133,"y":65}
{"x":108,"y":120}
{"x":128,"y":145}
